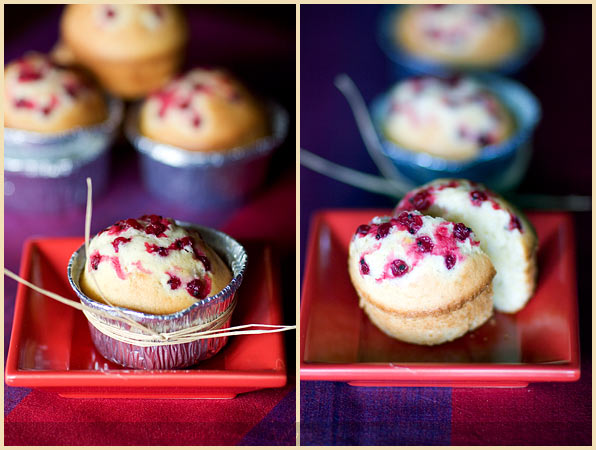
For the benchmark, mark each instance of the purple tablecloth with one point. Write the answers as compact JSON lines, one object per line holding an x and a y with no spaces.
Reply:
{"x":258,"y":43}
{"x":336,"y":39}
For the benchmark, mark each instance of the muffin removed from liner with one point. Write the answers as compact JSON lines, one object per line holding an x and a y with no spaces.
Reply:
{"x":505,"y":234}
{"x":459,"y":35}
{"x":205,"y":110}
{"x":421,"y":279}
{"x":450,"y":118}
{"x":41,"y":96}
{"x":152,"y":265}
{"x":131,"y":49}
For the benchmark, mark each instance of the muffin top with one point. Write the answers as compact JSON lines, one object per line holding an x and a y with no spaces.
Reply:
{"x":451,"y":118}
{"x":41,"y":96}
{"x":205,"y":110}
{"x":412,"y":263}
{"x":459,"y":34}
{"x":447,"y":196}
{"x":152,"y":265}
{"x":123,"y":32}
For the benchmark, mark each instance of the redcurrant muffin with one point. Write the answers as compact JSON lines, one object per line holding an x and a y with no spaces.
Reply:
{"x":205,"y":110}
{"x":458,"y":35}
{"x":152,"y":265}
{"x":450,"y":118}
{"x":421,"y":279}
{"x":41,"y":96}
{"x":505,"y":234}
{"x":132,"y":49}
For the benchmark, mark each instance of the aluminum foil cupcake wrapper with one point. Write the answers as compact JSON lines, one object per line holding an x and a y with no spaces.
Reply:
{"x":406,"y":64}
{"x":500,"y":166}
{"x":46,"y":172}
{"x":206,"y":180}
{"x":163,"y":357}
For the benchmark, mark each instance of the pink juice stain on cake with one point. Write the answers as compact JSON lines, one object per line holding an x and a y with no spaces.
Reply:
{"x":446,"y":245}
{"x":116,"y":264}
{"x":167,"y":99}
{"x":54,"y":102}
{"x":24,"y":103}
{"x":139,"y":266}
{"x":95,"y":258}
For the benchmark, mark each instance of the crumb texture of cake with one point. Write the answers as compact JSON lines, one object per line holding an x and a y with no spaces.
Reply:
{"x":41,"y":96}
{"x":152,"y":265}
{"x":420,"y":278}
{"x":205,"y":110}
{"x":453,"y":118}
{"x":132,"y":49}
{"x":460,"y":35}
{"x":505,"y":234}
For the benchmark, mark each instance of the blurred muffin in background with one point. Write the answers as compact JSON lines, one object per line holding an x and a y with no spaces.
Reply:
{"x":460,"y":35}
{"x":450,"y":118}
{"x":41,"y":96}
{"x":205,"y":110}
{"x":131,"y":49}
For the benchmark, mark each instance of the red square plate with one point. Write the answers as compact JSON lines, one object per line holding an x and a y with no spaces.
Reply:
{"x":51,"y":347}
{"x":339,"y":343}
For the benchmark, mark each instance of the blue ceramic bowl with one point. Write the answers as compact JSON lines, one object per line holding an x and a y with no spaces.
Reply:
{"x":501,"y":166}
{"x":405,"y":64}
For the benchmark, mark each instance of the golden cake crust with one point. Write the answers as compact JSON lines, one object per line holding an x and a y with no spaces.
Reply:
{"x":496,"y":43}
{"x":436,"y":327}
{"x":134,"y":49}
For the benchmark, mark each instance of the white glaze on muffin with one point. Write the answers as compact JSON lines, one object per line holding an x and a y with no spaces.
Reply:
{"x":41,"y":96}
{"x":152,"y":265}
{"x":204,"y":110}
{"x":452,"y":118}
{"x":504,"y":233}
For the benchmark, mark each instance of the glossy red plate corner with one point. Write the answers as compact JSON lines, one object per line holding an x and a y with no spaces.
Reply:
{"x":339,"y":343}
{"x":51,"y":347}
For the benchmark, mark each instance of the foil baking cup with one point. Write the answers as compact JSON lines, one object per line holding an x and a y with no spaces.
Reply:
{"x":406,"y":64}
{"x":46,"y":172}
{"x":500,"y":166}
{"x":206,"y":180}
{"x":175,"y":356}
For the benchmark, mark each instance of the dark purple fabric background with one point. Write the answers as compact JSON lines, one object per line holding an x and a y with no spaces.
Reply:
{"x":258,"y":43}
{"x":336,"y":39}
